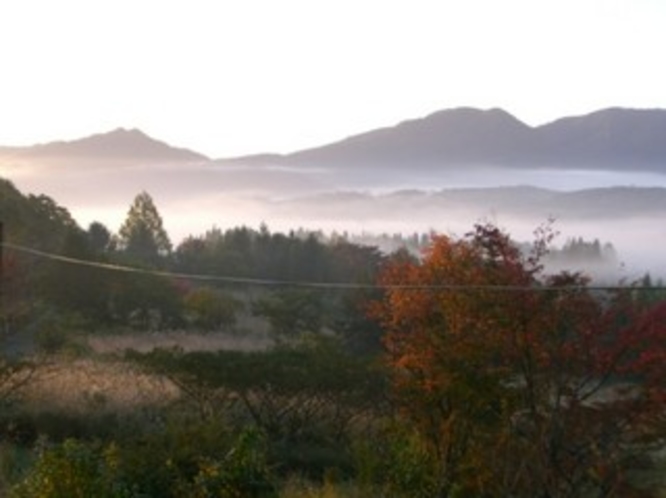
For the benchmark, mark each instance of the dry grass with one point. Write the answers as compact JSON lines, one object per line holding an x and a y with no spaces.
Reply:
{"x":105,"y":382}
{"x":77,"y":386}
{"x":188,"y":341}
{"x":301,"y":488}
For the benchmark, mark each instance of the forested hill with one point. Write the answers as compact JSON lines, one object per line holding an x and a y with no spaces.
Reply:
{"x":33,"y":220}
{"x":524,"y":203}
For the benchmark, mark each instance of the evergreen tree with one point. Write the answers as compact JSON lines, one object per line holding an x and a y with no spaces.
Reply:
{"x":142,"y":235}
{"x":99,"y":237}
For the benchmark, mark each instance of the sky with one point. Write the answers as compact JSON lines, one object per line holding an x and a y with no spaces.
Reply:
{"x":231,"y":77}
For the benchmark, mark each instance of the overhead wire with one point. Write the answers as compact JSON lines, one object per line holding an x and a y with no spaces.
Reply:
{"x":268,"y":282}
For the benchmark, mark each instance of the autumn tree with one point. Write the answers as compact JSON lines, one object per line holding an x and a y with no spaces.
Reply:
{"x":142,"y":235}
{"x":521,"y":384}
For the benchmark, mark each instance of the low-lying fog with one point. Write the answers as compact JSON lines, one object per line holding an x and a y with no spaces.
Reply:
{"x":192,"y":198}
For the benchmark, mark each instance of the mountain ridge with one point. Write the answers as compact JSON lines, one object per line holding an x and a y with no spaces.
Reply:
{"x":612,"y":139}
{"x":600,"y":203}
{"x":120,"y":143}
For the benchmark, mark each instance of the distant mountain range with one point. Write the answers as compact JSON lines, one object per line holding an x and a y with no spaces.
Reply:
{"x":613,"y":139}
{"x":443,"y":172}
{"x":521,"y":202}
{"x":117,"y":144}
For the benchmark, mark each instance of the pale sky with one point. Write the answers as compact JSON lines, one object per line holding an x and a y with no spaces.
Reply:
{"x":232,"y":77}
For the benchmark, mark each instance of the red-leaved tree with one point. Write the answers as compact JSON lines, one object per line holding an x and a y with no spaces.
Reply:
{"x":521,"y":384}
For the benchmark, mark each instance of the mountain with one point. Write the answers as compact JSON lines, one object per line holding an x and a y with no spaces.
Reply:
{"x":452,"y":140}
{"x":456,"y":136}
{"x":611,"y":139}
{"x":117,"y":144}
{"x":615,"y":138}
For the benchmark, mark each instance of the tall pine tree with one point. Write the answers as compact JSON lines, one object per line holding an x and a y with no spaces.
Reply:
{"x":142,"y":235}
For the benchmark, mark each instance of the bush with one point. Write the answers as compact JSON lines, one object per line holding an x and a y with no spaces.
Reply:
{"x":396,"y":459}
{"x":71,"y":470}
{"x":242,"y":473}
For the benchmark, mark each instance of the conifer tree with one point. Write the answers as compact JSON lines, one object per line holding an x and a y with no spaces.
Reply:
{"x":142,"y":235}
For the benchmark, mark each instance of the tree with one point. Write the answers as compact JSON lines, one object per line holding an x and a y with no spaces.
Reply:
{"x":291,"y":313}
{"x":521,"y":384}
{"x":142,"y":235}
{"x":145,"y":302}
{"x":210,"y":309}
{"x":307,"y":398}
{"x":76,"y":288}
{"x":99,"y":237}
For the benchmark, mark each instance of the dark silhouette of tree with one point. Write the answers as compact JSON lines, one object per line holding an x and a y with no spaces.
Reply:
{"x":99,"y":237}
{"x":76,"y":288}
{"x":142,"y":236}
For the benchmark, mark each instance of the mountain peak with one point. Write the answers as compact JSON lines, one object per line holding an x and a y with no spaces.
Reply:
{"x":459,"y":135}
{"x":121,"y":143}
{"x":467,"y":111}
{"x":463,"y":118}
{"x":612,"y":138}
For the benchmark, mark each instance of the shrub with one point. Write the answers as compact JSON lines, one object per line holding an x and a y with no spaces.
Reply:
{"x":74,"y":470}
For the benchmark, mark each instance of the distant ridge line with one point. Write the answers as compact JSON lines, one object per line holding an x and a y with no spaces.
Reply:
{"x":611,"y":139}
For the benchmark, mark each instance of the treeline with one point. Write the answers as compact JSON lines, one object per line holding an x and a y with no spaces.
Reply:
{"x":284,"y":264}
{"x":98,"y":296}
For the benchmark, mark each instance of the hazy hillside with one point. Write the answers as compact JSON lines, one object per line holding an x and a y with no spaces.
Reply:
{"x":601,"y":175}
{"x":454,"y":136}
{"x":610,"y":139}
{"x":449,"y":140}
{"x":620,"y":138}
{"x":617,"y":203}
{"x":117,"y":144}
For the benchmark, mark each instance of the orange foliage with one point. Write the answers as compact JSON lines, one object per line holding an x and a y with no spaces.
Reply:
{"x":522,"y":384}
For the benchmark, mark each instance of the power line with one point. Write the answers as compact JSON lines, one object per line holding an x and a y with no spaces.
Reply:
{"x":266,"y":282}
{"x":186,"y":276}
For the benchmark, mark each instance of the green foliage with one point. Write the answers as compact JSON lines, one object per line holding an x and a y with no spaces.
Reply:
{"x":33,"y":220}
{"x":397,"y":460}
{"x":299,"y":487}
{"x":291,"y":313}
{"x":15,"y":460}
{"x":242,"y":473}
{"x":53,"y":332}
{"x":194,"y":460}
{"x":37,"y":222}
{"x":307,"y":398}
{"x":145,"y":302}
{"x":298,"y":256}
{"x":99,"y":238}
{"x":165,"y":461}
{"x":209,"y":309}
{"x":190,"y":458}
{"x":74,"y":469}
{"x":142,"y":236}
{"x":75,"y":288}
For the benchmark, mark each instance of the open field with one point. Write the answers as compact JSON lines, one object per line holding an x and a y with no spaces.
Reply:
{"x":188,"y":341}
{"x":81,"y":385}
